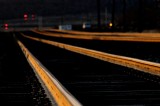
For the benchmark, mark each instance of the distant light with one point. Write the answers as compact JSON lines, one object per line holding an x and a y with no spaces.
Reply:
{"x":33,"y":17}
{"x":6,"y":28}
{"x":25,"y":16}
{"x":84,"y":26}
{"x":110,"y":24}
{"x":6,"y":25}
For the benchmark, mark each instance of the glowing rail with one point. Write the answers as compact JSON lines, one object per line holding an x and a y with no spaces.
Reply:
{"x":57,"y":91}
{"x":141,"y":65}
{"x":134,"y":37}
{"x":97,"y":33}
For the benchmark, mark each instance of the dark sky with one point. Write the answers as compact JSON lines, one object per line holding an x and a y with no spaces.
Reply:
{"x":16,"y":8}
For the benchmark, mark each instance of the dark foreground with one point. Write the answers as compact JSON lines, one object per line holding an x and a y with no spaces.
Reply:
{"x":18,"y":84}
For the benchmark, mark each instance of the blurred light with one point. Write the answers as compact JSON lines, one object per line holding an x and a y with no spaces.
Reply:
{"x":6,"y":28}
{"x":110,"y":24}
{"x":33,"y":17}
{"x":84,"y":26}
{"x":25,"y":16}
{"x":6,"y":25}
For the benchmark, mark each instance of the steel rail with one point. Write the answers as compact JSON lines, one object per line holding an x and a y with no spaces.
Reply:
{"x":138,"y":64}
{"x":98,"y":33}
{"x":57,"y":91}
{"x":133,"y":37}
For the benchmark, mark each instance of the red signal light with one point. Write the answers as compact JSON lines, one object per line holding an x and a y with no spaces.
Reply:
{"x":6,"y":25}
{"x":6,"y":28}
{"x":25,"y":16}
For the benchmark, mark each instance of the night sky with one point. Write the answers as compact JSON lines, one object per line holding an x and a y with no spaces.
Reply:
{"x":11,"y":9}
{"x":16,"y":8}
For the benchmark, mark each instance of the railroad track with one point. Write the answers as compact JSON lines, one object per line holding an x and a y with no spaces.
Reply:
{"x":19,"y":85}
{"x":95,"y":82}
{"x":142,"y":50}
{"x":132,"y":37}
{"x":145,"y":66}
{"x":54,"y":88}
{"x":72,"y":32}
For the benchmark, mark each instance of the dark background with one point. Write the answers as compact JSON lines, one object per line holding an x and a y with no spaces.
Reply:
{"x":142,"y":13}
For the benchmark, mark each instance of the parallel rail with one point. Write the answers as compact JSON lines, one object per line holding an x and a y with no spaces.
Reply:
{"x":141,"y":65}
{"x":133,"y":37}
{"x":58,"y":92}
{"x":98,"y":33}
